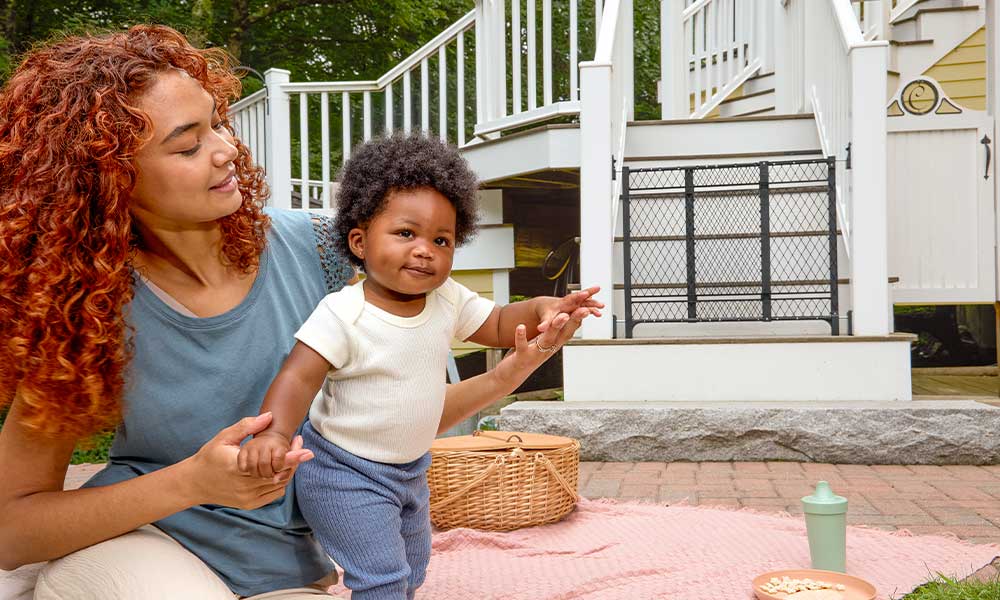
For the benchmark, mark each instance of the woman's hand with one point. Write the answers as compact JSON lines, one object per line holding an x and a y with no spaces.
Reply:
{"x":215,"y":475}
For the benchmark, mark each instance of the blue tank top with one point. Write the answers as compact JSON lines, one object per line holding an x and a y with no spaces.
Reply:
{"x":191,"y":377}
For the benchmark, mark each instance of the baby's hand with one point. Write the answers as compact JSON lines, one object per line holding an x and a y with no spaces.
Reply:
{"x":264,"y":455}
{"x":578,"y":305}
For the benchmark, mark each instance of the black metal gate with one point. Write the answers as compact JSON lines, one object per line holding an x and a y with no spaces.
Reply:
{"x":740,"y":242}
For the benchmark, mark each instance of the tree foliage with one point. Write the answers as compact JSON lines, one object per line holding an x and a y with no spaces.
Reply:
{"x":314,"y":39}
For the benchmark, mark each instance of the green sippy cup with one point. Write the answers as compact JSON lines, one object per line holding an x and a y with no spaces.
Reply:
{"x":826,"y":527}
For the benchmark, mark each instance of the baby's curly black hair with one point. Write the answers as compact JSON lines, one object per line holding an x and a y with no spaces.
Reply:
{"x":403,"y":162}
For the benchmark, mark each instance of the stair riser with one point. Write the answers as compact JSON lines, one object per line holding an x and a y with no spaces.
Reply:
{"x":758,"y":84}
{"x":720,"y":137}
{"x":762,"y":104}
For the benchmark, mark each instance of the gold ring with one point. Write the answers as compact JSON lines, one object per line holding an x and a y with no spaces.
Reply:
{"x":551,"y":348}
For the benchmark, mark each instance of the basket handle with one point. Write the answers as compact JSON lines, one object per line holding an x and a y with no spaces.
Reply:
{"x":499,"y":462}
{"x":539,"y":457}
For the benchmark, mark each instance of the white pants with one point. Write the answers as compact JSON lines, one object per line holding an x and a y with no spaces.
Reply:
{"x":145,"y":564}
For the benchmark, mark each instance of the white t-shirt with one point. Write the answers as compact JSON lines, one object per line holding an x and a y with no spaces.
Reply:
{"x":384,"y":399}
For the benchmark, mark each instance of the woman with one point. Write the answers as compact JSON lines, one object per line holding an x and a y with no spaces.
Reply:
{"x":143,"y":285}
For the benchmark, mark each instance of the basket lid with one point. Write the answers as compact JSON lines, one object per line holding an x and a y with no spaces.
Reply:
{"x":500,"y":440}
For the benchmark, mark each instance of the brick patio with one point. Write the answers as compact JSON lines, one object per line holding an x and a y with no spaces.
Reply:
{"x":962,"y":500}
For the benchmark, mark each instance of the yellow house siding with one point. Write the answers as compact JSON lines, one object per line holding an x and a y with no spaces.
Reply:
{"x":962,"y":72}
{"x":480,"y":282}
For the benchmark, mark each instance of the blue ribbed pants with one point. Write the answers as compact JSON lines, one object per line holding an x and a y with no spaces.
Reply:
{"x":372,"y":518}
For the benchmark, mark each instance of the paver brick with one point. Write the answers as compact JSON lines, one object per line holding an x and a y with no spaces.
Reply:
{"x":966,"y":492}
{"x":617,"y":467}
{"x":897,"y":506}
{"x":957,"y":530}
{"x":645,"y":490}
{"x":723,"y":502}
{"x":931,"y":471}
{"x":971,"y":473}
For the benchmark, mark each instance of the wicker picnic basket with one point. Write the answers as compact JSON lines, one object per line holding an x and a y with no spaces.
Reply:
{"x":502,"y":480}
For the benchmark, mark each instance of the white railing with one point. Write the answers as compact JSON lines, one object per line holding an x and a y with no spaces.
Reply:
{"x":709,"y":49}
{"x":873,"y":17}
{"x":898,"y":7}
{"x":828,"y":44}
{"x":845,"y":83}
{"x":606,"y":93}
{"x":515,"y":49}
{"x":248,"y":117}
{"x":426,"y":91}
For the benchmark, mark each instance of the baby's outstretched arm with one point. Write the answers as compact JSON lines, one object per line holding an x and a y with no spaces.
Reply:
{"x":536,"y":315}
{"x":288,"y":400}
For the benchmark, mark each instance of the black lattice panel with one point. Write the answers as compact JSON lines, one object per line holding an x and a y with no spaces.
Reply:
{"x":730,"y":243}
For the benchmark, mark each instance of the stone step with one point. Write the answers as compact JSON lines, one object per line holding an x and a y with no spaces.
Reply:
{"x":901,"y":432}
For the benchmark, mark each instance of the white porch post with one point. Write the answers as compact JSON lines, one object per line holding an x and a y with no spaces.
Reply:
{"x":596,"y":227}
{"x":278,"y":134}
{"x":993,"y":101}
{"x":673,"y":62}
{"x":869,"y":218}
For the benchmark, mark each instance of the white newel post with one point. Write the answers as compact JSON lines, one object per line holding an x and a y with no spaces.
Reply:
{"x":596,"y":227}
{"x":869,"y":218}
{"x":673,"y":61}
{"x":278,"y":135}
{"x":626,"y":58}
{"x":788,"y":32}
{"x":765,"y":12}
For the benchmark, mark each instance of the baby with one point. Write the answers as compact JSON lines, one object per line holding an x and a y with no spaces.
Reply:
{"x":378,"y":349}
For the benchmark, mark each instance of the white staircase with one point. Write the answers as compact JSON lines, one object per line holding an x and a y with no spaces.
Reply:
{"x":928,"y":30}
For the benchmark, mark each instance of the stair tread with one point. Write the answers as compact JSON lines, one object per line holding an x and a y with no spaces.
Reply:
{"x":746,"y":96}
{"x":939,"y":9}
{"x":794,"y":117}
{"x":816,"y":152}
{"x":910,"y":42}
{"x":725,"y":236}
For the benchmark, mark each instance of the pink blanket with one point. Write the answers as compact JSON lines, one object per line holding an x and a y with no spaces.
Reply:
{"x":610,"y":550}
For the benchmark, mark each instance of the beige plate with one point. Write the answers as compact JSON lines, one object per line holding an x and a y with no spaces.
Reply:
{"x":857,"y":589}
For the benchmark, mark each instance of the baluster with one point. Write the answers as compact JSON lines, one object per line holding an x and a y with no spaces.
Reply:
{"x":304,"y":146}
{"x":407,"y":109}
{"x":368,"y":115}
{"x":324,"y":125}
{"x":699,"y":44}
{"x":260,"y":140}
{"x":515,"y":55}
{"x":546,"y":52}
{"x":573,"y":58}
{"x":716,"y":56}
{"x":442,"y":94}
{"x":346,"y":125}
{"x":460,"y":91}
{"x":388,"y":109}
{"x":425,"y":106}
{"x":532,"y":57}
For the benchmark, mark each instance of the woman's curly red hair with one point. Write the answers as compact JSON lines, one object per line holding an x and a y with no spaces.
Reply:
{"x":69,"y":131}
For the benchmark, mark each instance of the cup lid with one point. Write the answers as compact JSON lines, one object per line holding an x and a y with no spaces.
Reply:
{"x":824,"y":502}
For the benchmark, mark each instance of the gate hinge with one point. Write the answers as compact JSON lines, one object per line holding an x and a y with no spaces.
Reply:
{"x":613,"y":174}
{"x":848,"y":164}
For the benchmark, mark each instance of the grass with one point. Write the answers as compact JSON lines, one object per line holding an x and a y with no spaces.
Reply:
{"x":946,"y":588}
{"x":92,"y":450}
